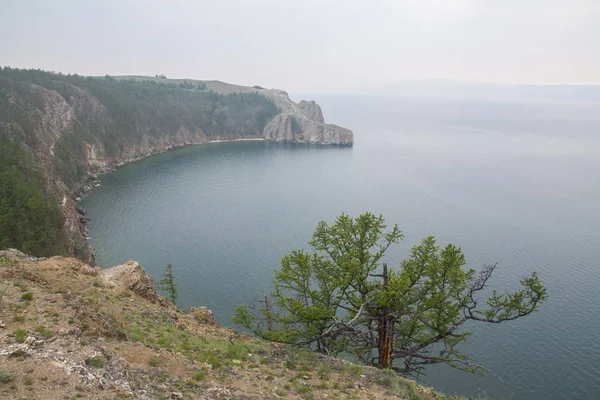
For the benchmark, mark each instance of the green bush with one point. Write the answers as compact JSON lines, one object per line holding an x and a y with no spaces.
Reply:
{"x":43,"y":332}
{"x":20,"y":335}
{"x":6,"y":377}
{"x":26,"y":296}
{"x":96,"y":362}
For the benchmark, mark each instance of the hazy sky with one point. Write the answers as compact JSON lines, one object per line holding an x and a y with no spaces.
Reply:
{"x":308,"y":45}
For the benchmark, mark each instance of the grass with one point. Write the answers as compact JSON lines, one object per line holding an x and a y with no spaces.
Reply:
{"x":26,"y":296}
{"x":158,"y":331}
{"x":43,"y":332}
{"x":6,"y":377}
{"x":4,"y":261}
{"x":199,"y":376}
{"x":96,"y":362}
{"x":20,"y":335}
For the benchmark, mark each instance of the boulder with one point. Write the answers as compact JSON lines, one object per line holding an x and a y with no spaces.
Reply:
{"x":203,"y":315}
{"x":131,"y":276}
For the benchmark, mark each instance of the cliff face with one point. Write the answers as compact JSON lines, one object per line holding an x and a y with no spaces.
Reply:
{"x":304,"y":122}
{"x":77,"y":128}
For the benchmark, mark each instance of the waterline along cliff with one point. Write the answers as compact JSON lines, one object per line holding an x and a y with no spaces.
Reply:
{"x":59,"y":133}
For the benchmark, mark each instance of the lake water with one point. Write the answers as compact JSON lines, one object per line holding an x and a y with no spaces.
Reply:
{"x":516,"y":183}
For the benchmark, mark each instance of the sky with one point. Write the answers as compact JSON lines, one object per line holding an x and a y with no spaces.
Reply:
{"x":309,"y":45}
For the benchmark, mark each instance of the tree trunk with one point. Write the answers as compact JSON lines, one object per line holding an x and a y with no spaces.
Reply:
{"x":386,"y":331}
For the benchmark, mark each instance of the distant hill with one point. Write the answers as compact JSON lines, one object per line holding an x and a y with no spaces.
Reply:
{"x":492,"y":91}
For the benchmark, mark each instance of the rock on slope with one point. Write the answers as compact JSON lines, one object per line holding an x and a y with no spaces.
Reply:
{"x":68,"y":330}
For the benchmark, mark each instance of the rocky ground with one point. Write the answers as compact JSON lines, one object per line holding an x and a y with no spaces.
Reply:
{"x":71,"y":331}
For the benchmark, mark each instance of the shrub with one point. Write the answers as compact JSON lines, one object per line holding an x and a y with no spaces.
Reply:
{"x":26,"y":296}
{"x":96,"y":362}
{"x":6,"y":377}
{"x":43,"y":332}
{"x":20,"y":335}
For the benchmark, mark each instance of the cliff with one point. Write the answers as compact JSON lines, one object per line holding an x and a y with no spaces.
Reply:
{"x":73,"y":128}
{"x":69,"y":330}
{"x":304,"y":122}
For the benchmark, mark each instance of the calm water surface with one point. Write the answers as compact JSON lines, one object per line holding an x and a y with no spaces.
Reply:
{"x":513,"y":183}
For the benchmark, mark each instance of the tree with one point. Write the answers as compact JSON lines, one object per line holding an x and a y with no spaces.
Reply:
{"x":338,"y":298}
{"x":167,"y":284}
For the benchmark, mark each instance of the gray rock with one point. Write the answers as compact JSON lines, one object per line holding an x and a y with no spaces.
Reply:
{"x":311,"y":110}
{"x":302,"y":122}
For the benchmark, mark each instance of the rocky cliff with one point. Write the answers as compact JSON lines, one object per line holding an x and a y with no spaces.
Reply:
{"x":76,"y":128}
{"x":304,"y":122}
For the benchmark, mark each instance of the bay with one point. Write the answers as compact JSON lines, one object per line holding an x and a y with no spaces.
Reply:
{"x":512,"y":182}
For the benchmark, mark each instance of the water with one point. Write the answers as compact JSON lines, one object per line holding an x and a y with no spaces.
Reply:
{"x":513,"y":183}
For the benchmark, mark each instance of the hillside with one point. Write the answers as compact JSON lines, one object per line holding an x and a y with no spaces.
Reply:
{"x":69,"y":330}
{"x":58,"y":133}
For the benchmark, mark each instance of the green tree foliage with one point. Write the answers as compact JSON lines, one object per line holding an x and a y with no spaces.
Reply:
{"x":340,"y":298}
{"x":29,"y":219}
{"x":168,"y":285}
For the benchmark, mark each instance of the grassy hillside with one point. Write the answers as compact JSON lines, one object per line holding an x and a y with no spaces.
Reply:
{"x":73,"y":331}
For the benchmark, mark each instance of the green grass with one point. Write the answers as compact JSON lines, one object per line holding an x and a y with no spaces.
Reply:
{"x":158,"y":331}
{"x":199,"y":376}
{"x":43,"y":332}
{"x":6,"y":377}
{"x":96,"y":362}
{"x":324,"y":371}
{"x":26,"y":296}
{"x":20,"y":335}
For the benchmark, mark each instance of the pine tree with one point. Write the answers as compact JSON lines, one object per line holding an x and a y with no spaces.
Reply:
{"x":167,"y":284}
{"x":341,"y":298}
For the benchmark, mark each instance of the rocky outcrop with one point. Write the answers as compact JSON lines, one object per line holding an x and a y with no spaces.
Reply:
{"x":311,"y":110}
{"x":304,"y":123}
{"x":297,"y":127}
{"x":203,"y":315}
{"x":131,"y":276}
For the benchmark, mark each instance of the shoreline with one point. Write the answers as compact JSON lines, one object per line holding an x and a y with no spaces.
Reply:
{"x":93,"y":182}
{"x":231,"y":140}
